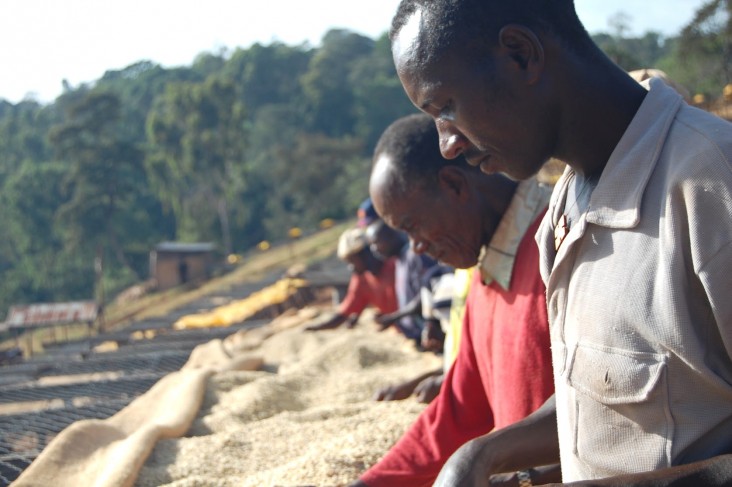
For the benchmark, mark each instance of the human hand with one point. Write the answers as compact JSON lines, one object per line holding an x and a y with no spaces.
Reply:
{"x":351,"y":322}
{"x":433,"y":338}
{"x":384,"y":320}
{"x":508,"y":479}
{"x":465,"y":468}
{"x":429,"y":388}
{"x":396,"y":392}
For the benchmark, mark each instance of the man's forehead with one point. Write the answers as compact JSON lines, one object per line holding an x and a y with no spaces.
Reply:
{"x":402,"y":206}
{"x":422,"y":73}
{"x":407,"y":41}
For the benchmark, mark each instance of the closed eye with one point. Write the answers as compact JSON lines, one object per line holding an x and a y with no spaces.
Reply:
{"x":447,"y":112}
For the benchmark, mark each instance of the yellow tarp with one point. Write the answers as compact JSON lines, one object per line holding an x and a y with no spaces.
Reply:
{"x":238,"y":311}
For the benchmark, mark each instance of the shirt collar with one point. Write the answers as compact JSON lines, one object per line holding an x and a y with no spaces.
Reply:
{"x":497,"y":258}
{"x":616,"y":200}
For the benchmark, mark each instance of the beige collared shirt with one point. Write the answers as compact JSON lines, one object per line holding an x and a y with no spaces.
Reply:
{"x":639,"y":298}
{"x":496,"y":259}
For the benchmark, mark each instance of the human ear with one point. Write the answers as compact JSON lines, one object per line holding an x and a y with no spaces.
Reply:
{"x":451,"y":179}
{"x":524,"y":48}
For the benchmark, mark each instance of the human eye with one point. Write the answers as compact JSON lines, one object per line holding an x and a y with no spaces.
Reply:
{"x":437,"y":107}
{"x":447,"y":112}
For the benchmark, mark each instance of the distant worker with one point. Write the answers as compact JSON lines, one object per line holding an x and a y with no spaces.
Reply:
{"x":439,"y":292}
{"x":371,"y":284}
{"x":409,"y":274}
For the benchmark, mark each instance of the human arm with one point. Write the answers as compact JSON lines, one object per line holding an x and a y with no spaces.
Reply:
{"x":350,"y":309}
{"x":352,"y":320}
{"x":530,"y":442}
{"x":542,"y":475}
{"x":404,"y":389}
{"x":429,"y":388}
{"x":334,"y":322}
{"x":459,"y":413}
{"x":433,"y":338}
{"x":411,"y":308}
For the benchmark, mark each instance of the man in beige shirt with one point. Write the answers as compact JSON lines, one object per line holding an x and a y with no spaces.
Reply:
{"x":635,"y":249}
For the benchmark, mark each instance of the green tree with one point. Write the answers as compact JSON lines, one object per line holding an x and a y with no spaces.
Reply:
{"x":705,"y":47}
{"x":235,"y":148}
{"x":22,"y":135}
{"x":326,"y":84}
{"x":319,"y":177}
{"x":196,"y":138}
{"x":379,"y":97}
{"x":104,"y":178}
{"x":266,"y":75}
{"x":34,"y":265}
{"x":137,"y":86}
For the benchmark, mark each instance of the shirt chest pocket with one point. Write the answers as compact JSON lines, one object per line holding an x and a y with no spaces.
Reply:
{"x":622,"y":419}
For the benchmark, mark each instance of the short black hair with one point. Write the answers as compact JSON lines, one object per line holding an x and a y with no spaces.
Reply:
{"x":412,"y":143}
{"x":445,"y":21}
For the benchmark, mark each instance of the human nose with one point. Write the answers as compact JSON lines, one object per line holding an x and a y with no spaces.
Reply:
{"x":452,"y":142}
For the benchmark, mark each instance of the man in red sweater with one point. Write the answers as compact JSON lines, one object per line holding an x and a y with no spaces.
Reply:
{"x":465,"y":218}
{"x":371,"y":284}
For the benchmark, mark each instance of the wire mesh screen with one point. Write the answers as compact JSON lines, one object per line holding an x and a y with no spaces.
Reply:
{"x":42,"y":396}
{"x":33,"y":412}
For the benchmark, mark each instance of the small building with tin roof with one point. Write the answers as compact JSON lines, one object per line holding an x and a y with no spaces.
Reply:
{"x":175,"y":263}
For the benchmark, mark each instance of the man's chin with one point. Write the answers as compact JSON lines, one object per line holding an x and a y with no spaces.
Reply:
{"x":491,"y":166}
{"x":522,"y":173}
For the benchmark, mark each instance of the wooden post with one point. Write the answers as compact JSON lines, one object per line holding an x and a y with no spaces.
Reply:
{"x":29,"y":338}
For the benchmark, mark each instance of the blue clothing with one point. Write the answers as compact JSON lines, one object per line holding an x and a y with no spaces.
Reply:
{"x":409,"y":274}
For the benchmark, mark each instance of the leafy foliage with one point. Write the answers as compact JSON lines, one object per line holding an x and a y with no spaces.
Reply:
{"x":235,"y":149}
{"x":705,"y":46}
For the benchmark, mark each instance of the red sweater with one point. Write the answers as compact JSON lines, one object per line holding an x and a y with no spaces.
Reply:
{"x":502,"y":373}
{"x":368,"y":289}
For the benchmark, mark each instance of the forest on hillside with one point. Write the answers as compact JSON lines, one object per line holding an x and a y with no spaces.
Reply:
{"x":236,"y":148}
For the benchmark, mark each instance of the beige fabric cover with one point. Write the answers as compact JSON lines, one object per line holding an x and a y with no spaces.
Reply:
{"x":110,"y":452}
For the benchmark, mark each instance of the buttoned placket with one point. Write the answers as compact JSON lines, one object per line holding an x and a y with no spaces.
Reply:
{"x":561,"y":273}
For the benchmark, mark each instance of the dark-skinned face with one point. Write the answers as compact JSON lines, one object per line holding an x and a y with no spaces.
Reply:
{"x":358,"y":263}
{"x":438,"y":220}
{"x":385,"y":242}
{"x":479,"y":105}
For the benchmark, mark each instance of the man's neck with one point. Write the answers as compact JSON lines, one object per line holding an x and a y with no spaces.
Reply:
{"x":599,"y":106}
{"x":496,"y":198}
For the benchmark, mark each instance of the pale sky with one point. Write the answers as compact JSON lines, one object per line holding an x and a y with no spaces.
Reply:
{"x":46,"y":41}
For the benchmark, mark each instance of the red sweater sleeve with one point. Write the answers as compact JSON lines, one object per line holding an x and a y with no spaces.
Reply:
{"x":508,"y":378}
{"x":459,"y":413}
{"x":357,"y":297}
